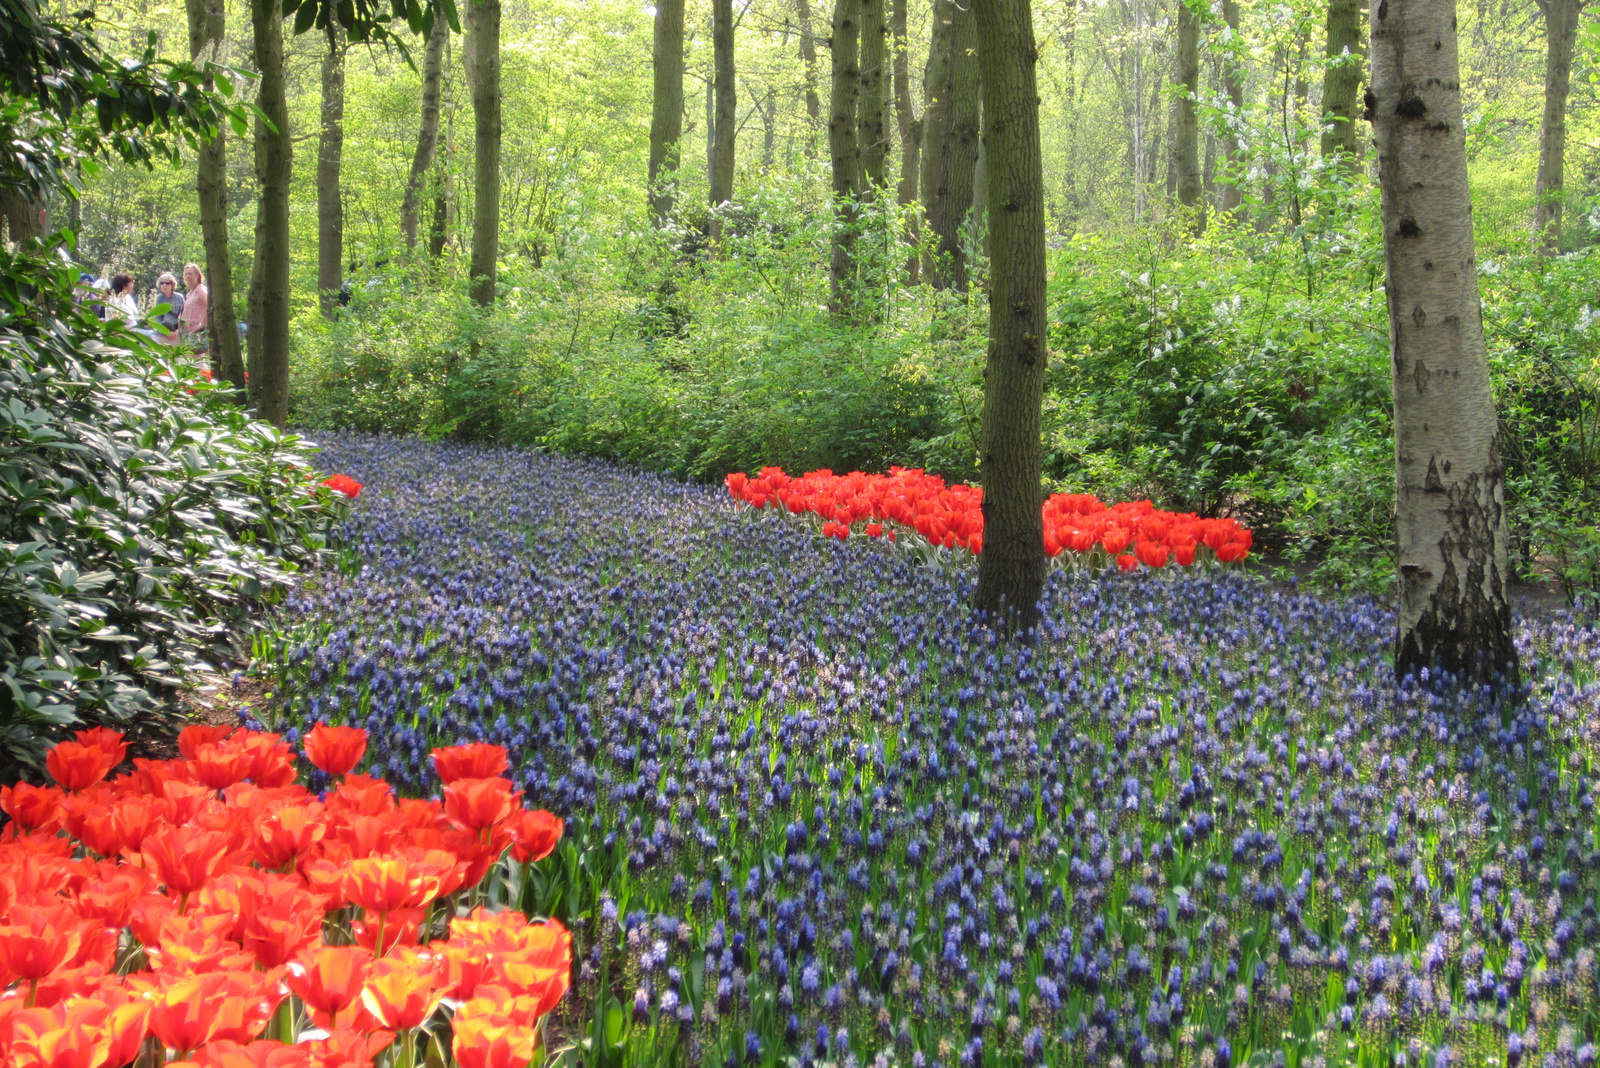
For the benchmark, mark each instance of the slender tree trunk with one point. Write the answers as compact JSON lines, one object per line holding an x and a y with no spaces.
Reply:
{"x":844,"y":150}
{"x":910,"y":133}
{"x":722,"y":153}
{"x":1011,"y":568}
{"x":808,"y":61}
{"x":269,"y":281}
{"x":870,"y":129}
{"x":960,"y":150}
{"x":330,"y":193}
{"x":428,"y":135}
{"x":1233,"y":84}
{"x":208,"y":27}
{"x":1450,"y":519}
{"x":666,"y":119}
{"x":483,"y":52}
{"x":935,"y":122}
{"x":1341,"y":81}
{"x":444,"y":196}
{"x":1071,"y":199}
{"x":1186,"y":123}
{"x":1561,"y":31}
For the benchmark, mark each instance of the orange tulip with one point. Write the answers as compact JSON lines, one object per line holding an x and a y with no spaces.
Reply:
{"x":105,"y":739}
{"x":75,"y":766}
{"x":96,"y":827}
{"x":487,"y":1040}
{"x":184,"y":858}
{"x":393,"y":881}
{"x":34,"y":808}
{"x":220,"y":765}
{"x":183,"y":1011}
{"x":329,"y":979}
{"x":271,"y":759}
{"x":391,"y":929}
{"x":283,"y":923}
{"x":45,"y":1038}
{"x":244,"y":1002}
{"x":363,"y":796}
{"x":534,"y":835}
{"x":335,"y":750}
{"x":478,"y":804}
{"x":262,"y":1054}
{"x":401,"y":994}
{"x":479,"y":760}
{"x":286,"y":835}
{"x":348,"y":1049}
{"x":37,"y":941}
{"x":192,"y":737}
{"x":135,"y":817}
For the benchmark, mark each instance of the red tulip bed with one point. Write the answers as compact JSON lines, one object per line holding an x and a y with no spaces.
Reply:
{"x":210,"y":910}
{"x":909,"y":501}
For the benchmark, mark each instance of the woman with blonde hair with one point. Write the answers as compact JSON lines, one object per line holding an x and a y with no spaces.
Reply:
{"x":192,"y":322}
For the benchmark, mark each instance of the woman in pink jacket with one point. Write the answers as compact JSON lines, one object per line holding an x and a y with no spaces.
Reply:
{"x":192,"y":321}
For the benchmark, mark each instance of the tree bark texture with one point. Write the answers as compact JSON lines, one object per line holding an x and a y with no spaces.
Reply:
{"x":844,"y":150}
{"x":935,"y":119}
{"x":666,"y":116}
{"x":1455,"y":614}
{"x":870,"y":129}
{"x":428,"y":135}
{"x":1186,"y":122}
{"x":910,"y":132}
{"x":207,"y":37}
{"x":330,"y":193}
{"x":1341,"y":81}
{"x":954,"y":199}
{"x":722,"y":152}
{"x":1011,"y":568}
{"x":1233,"y":85}
{"x":808,"y":60}
{"x":444,"y":193}
{"x":1561,"y":31}
{"x":21,"y":215}
{"x":483,"y":72}
{"x":269,"y":281}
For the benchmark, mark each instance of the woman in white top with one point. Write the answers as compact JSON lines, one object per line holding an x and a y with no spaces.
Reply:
{"x":122,"y":299}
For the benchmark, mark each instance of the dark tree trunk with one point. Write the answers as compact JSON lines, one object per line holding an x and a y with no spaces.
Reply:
{"x":23,"y":216}
{"x":727,"y":107}
{"x":844,"y":151}
{"x":330,"y":194}
{"x":1011,"y":568}
{"x":910,"y":132}
{"x":1561,"y":31}
{"x":428,"y":135}
{"x":935,"y":120}
{"x":483,"y":72}
{"x":444,"y":191}
{"x":208,"y":27}
{"x":666,"y":117}
{"x":1341,"y":84}
{"x":808,"y":60}
{"x":871,"y":132}
{"x":269,"y":281}
{"x":960,"y":151}
{"x":1233,"y":83}
{"x":1450,"y":522}
{"x":1186,"y":123}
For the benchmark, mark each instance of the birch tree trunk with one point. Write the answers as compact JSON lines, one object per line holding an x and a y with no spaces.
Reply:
{"x":1561,"y":31}
{"x":208,"y":26}
{"x":844,"y":150}
{"x":935,"y":122}
{"x":269,"y":280}
{"x":1455,"y":614}
{"x":330,"y":193}
{"x":870,"y":129}
{"x":1011,"y":567}
{"x":666,"y":118}
{"x":428,"y":135}
{"x":910,"y":132}
{"x":1186,"y":123}
{"x":1341,"y":81}
{"x":483,"y":73}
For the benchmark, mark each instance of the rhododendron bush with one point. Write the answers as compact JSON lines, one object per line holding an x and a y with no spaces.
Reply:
{"x":910,"y":500}
{"x":211,"y":909}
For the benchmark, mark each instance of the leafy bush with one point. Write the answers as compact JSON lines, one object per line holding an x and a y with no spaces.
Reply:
{"x":144,"y":515}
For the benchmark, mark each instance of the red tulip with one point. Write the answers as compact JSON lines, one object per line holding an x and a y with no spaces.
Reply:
{"x":534,"y":835}
{"x":479,"y":760}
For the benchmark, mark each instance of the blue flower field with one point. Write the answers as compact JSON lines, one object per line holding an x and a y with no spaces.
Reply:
{"x":817,"y":816}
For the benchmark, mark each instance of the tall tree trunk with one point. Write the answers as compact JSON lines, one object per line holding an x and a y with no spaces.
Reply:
{"x":208,"y":26}
{"x":23,"y":216}
{"x":444,"y":195}
{"x":960,"y":150}
{"x":1450,"y":519}
{"x":269,"y":281}
{"x":808,"y":61}
{"x":1071,"y":199}
{"x":769,"y":123}
{"x":1341,"y":81}
{"x":1011,"y":568}
{"x":1233,"y":84}
{"x":722,"y":153}
{"x":1186,"y":123}
{"x":483,"y":71}
{"x":330,"y":193}
{"x":844,"y":150}
{"x":428,"y":135}
{"x":870,"y":129}
{"x":1561,"y":31}
{"x":935,"y":121}
{"x":910,"y":132}
{"x":666,"y":117}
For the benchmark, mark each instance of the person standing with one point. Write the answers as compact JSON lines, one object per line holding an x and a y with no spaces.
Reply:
{"x":168,"y":322}
{"x":122,"y":301}
{"x":196,"y":302}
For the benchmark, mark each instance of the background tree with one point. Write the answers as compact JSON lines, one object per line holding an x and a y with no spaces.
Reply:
{"x":910,"y":128}
{"x":207,"y":38}
{"x":808,"y":69}
{"x":1560,"y":30}
{"x":1455,"y":611}
{"x":1011,"y":567}
{"x":1233,"y":86}
{"x":1186,"y":128}
{"x":269,"y":279}
{"x":427,"y":133}
{"x":844,"y":151}
{"x":953,"y":198}
{"x":330,"y":193}
{"x":666,"y":115}
{"x":1341,"y":81}
{"x":727,"y":110}
{"x":936,"y":117}
{"x":871,"y":131}
{"x":483,"y":74}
